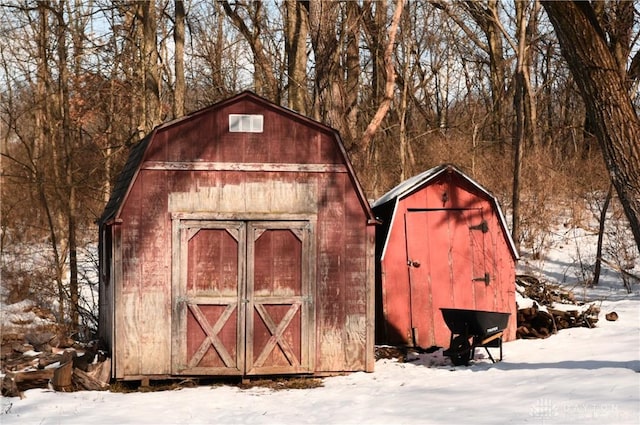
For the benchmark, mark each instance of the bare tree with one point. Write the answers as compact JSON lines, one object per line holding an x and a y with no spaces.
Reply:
{"x":375,"y":22}
{"x":617,"y":21}
{"x":390,"y":83}
{"x":605,"y":93}
{"x":250,"y":21}
{"x":328,"y":91}
{"x":525,"y":134}
{"x":178,"y":38}
{"x":484,"y":14}
{"x":43,"y":161}
{"x":150,"y":113}
{"x":351,"y":61}
{"x":213,"y":52}
{"x":296,"y":35}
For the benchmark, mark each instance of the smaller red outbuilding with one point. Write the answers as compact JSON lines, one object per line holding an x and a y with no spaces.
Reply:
{"x":443,"y":243}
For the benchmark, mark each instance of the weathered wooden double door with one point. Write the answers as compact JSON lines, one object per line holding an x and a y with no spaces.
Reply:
{"x":243,"y":301}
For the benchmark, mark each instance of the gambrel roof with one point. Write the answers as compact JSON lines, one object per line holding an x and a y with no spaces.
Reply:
{"x":137,"y":153}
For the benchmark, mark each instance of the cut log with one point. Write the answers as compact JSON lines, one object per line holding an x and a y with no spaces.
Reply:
{"x":544,"y":293}
{"x":34,"y":375}
{"x":21,"y":348}
{"x":9,"y":386}
{"x":14,"y":383}
{"x":80,"y":366}
{"x":61,"y":341}
{"x":85,"y":381}
{"x":61,"y":380}
{"x":39,"y":340}
{"x":102,"y":371}
{"x":47,"y":359}
{"x":575,"y":319}
{"x":534,"y":323}
{"x":19,"y":363}
{"x":612,"y":317}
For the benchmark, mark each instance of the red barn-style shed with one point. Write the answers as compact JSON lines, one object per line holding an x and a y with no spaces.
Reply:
{"x":443,"y":243}
{"x":237,"y":241}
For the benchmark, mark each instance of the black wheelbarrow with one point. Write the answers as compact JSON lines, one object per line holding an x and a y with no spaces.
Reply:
{"x":471,"y":329}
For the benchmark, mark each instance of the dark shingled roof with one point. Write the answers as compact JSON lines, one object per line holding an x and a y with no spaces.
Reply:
{"x":124,"y":179}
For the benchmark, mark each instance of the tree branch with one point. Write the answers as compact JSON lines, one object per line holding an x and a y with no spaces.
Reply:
{"x":384,"y":106}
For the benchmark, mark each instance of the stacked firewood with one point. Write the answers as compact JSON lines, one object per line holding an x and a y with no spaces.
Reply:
{"x":537,"y":322}
{"x":65,"y":366}
{"x":544,"y":293}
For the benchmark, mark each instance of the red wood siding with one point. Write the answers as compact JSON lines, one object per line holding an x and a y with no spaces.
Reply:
{"x":206,"y":138}
{"x":433,"y":228}
{"x":342,"y":268}
{"x":234,"y":236}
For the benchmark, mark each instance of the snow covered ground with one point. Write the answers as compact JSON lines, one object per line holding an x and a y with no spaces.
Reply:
{"x":580,"y":375}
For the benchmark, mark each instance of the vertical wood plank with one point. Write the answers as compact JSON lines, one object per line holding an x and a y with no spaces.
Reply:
{"x":117,"y":369}
{"x":370,"y":319}
{"x":178,"y":315}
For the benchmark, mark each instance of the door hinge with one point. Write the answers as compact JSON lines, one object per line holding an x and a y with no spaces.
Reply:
{"x":483,"y":226}
{"x":486,"y":279}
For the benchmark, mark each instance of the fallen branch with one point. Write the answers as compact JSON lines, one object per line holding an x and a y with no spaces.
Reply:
{"x":620,"y":269}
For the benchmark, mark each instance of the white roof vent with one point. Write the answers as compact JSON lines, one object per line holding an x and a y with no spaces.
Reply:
{"x":239,"y":123}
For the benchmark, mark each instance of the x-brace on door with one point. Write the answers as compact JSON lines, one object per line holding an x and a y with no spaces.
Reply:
{"x":243,"y":298}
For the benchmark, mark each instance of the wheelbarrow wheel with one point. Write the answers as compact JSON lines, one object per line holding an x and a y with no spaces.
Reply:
{"x":460,"y":349}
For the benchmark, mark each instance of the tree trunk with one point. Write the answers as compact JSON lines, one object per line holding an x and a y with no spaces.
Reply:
{"x":524,"y":102}
{"x":265,"y":81}
{"x":352,"y":62}
{"x":296,"y":33}
{"x":69,"y":194}
{"x":328,"y":101}
{"x":178,"y":38}
{"x":390,"y":84}
{"x":375,"y":21}
{"x":519,"y":144}
{"x":407,"y":160}
{"x":150,"y":113}
{"x":606,"y":96}
{"x":485,"y":15}
{"x":601,"y":226}
{"x":53,"y":127}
